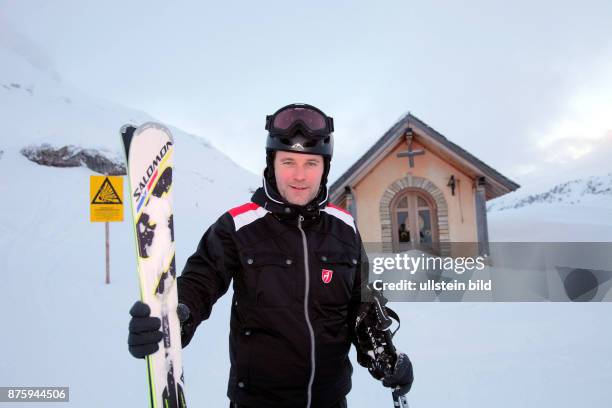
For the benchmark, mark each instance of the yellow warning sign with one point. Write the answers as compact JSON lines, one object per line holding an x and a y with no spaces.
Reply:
{"x":106,"y":198}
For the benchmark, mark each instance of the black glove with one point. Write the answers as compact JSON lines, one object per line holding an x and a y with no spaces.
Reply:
{"x":144,"y":330}
{"x":402,"y":376}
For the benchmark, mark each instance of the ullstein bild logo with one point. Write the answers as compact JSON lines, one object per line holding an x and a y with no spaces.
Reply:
{"x":326,"y":275}
{"x":150,"y":171}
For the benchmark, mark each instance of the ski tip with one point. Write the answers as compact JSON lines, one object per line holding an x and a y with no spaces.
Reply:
{"x":127,"y":129}
{"x":127,"y":133}
{"x":155,"y":125}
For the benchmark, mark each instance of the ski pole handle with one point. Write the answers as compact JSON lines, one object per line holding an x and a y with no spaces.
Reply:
{"x":384,"y":321}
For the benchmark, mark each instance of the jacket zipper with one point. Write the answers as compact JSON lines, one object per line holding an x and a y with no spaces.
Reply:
{"x":308,"y":323}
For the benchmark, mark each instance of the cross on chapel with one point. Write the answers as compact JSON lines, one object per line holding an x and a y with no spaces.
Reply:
{"x":410,"y":153}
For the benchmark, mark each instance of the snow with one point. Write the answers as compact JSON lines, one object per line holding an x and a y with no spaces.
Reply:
{"x":65,"y":327}
{"x":579,"y":210}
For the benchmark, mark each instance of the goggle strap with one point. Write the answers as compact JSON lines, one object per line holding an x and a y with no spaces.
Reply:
{"x":269,"y":121}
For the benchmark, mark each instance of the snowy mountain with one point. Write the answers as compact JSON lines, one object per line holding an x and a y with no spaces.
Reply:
{"x":571,"y":192}
{"x":64,"y":327}
{"x":575,"y":210}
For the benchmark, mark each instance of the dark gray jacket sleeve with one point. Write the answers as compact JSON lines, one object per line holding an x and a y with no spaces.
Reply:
{"x":207,"y":274}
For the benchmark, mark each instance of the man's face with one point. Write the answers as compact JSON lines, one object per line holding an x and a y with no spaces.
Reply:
{"x":298,"y":176}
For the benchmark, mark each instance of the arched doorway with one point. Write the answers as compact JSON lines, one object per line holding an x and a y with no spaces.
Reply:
{"x":438,"y":208}
{"x":414,"y":220}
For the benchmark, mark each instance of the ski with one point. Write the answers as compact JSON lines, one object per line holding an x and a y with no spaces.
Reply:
{"x":148,"y":151}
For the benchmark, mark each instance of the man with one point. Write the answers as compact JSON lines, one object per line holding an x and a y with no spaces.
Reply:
{"x":297,"y":271}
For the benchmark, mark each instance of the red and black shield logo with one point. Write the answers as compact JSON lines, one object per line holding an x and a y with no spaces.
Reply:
{"x":326,"y":275}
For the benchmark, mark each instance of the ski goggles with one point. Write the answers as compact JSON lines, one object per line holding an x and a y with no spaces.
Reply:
{"x":311,"y":119}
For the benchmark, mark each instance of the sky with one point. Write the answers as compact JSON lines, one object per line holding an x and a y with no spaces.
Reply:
{"x":525,"y":86}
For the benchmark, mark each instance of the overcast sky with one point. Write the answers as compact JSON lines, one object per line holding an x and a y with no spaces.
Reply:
{"x":523,"y":85}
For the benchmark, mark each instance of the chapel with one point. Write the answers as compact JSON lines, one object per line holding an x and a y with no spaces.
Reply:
{"x":414,"y":188}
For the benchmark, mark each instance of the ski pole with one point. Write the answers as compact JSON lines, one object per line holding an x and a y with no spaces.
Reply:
{"x":399,"y":398}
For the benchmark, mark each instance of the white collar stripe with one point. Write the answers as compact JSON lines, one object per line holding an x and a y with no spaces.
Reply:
{"x":245,"y":218}
{"x":341,"y":215}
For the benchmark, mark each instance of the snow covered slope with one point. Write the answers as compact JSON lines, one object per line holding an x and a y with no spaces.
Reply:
{"x":66,"y":326}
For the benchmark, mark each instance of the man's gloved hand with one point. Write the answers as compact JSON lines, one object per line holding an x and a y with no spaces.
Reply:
{"x":144,"y":334}
{"x":144,"y":330}
{"x":402,"y":376}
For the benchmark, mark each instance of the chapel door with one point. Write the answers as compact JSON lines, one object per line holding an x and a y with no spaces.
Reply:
{"x":414,"y":222}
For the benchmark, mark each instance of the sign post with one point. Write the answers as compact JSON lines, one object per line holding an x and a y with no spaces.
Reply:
{"x":106,"y":205}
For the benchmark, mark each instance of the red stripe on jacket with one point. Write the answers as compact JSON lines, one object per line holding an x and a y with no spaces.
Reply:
{"x":236,"y":211}
{"x":339,"y":208}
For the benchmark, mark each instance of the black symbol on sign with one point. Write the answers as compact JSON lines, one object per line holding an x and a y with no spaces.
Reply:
{"x":106,"y":194}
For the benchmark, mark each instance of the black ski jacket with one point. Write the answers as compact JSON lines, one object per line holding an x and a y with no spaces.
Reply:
{"x":297,"y":274}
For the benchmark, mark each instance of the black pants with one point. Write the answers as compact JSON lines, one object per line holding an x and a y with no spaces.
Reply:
{"x":340,"y":404}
